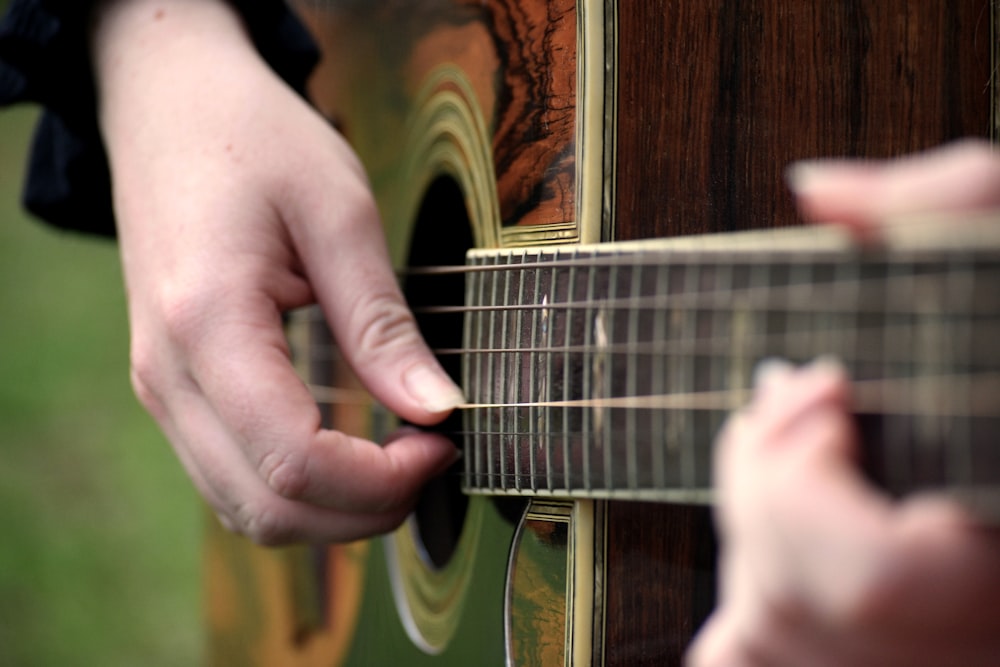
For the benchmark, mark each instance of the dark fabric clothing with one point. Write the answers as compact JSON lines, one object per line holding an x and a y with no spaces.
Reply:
{"x":44,"y":59}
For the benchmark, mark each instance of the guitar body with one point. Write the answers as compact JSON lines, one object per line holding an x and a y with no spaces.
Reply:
{"x":508,"y":123}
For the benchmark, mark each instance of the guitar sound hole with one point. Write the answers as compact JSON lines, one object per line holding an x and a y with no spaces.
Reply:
{"x":441,"y":236}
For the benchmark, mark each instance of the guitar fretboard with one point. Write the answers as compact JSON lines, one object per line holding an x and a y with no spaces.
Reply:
{"x":606,"y":371}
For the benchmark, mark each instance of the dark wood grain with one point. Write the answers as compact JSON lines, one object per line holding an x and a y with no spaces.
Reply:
{"x":534,"y":146}
{"x":660,"y":581}
{"x":520,"y":57}
{"x":716,"y":97}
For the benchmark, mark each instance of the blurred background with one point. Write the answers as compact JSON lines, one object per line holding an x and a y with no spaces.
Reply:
{"x":99,"y":527}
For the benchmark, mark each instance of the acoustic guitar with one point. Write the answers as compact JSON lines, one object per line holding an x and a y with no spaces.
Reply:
{"x":567,"y":188}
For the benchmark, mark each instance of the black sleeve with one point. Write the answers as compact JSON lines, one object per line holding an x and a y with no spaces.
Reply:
{"x":44,"y":59}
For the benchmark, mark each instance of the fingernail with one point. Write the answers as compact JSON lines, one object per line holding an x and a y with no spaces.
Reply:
{"x":804,"y":175}
{"x":770,"y":370}
{"x":826,"y":366}
{"x":432,"y":389}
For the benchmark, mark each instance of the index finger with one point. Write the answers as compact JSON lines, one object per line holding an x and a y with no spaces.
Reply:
{"x":959,"y":177}
{"x":792,"y":499}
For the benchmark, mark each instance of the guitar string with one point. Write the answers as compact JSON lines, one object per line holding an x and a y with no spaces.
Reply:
{"x":708,"y":346}
{"x":783,"y":298}
{"x":926,"y":395}
{"x":932,"y":324}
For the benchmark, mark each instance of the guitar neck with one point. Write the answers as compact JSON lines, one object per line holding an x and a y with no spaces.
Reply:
{"x":605,"y":371}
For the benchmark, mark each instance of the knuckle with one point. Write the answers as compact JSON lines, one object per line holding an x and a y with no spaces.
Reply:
{"x":285,"y":473}
{"x":185,"y":312}
{"x":386,"y":324}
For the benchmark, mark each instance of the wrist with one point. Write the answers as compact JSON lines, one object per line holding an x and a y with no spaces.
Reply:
{"x":150,"y":53}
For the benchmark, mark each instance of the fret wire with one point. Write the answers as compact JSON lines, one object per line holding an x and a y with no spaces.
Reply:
{"x":760,"y":278}
{"x":541,"y":424}
{"x":480,"y":388}
{"x":727,"y":371}
{"x":801,"y":319}
{"x":588,"y":381}
{"x":912,"y":432}
{"x":659,"y":378}
{"x":543,"y":362}
{"x":676,"y":422}
{"x":470,"y":371}
{"x":921,"y":431}
{"x":610,"y":321}
{"x":900,"y":465}
{"x":518,"y":370}
{"x":848,"y":280}
{"x":467,"y":417}
{"x":502,"y":378}
{"x":545,"y":419}
{"x":567,"y":323}
{"x":961,"y":286}
{"x":692,"y":277}
{"x":545,"y":295}
{"x":796,"y":321}
{"x":491,"y":383}
{"x":803,"y":274}
{"x":632,"y":372}
{"x":534,"y":359}
{"x":932,"y":428}
{"x":567,"y":460}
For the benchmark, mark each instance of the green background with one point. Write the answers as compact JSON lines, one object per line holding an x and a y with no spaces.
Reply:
{"x":99,"y":527}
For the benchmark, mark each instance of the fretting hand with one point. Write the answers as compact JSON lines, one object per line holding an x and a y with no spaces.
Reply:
{"x":817,"y":567}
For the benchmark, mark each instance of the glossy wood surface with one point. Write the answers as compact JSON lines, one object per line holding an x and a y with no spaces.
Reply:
{"x":716,"y":97}
{"x":660,"y":581}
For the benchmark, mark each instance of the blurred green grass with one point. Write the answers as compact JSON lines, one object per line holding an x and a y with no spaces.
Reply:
{"x":99,"y":527}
